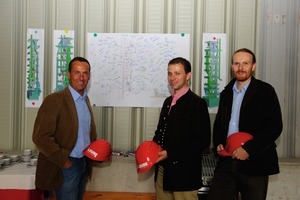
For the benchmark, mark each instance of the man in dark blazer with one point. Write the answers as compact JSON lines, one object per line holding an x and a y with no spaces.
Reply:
{"x":64,"y":126}
{"x":246,"y":105}
{"x":183,"y":131}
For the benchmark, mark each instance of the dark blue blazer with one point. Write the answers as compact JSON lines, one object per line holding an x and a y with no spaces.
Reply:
{"x":184,"y":133}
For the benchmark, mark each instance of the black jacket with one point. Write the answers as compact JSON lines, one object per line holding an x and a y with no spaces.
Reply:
{"x":260,"y":115}
{"x":184,"y":133}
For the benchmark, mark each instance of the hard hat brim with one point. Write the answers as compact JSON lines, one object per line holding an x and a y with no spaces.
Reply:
{"x":224,"y":153}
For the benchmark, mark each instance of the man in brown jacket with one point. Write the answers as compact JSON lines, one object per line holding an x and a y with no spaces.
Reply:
{"x":63,"y":128}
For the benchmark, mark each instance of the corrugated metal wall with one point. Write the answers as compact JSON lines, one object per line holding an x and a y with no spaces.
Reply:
{"x":247,"y":23}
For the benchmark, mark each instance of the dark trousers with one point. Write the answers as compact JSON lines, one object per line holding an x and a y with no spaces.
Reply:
{"x":228,"y":182}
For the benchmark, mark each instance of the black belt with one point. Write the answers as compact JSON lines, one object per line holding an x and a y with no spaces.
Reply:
{"x":74,"y":158}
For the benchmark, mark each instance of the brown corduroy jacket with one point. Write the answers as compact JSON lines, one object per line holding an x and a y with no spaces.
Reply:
{"x":55,"y":134}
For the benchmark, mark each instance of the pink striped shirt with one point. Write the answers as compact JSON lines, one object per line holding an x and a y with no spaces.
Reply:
{"x":177,"y":94}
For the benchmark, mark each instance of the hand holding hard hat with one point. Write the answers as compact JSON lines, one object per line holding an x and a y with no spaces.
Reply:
{"x":146,"y":155}
{"x":99,"y":150}
{"x":235,"y":141}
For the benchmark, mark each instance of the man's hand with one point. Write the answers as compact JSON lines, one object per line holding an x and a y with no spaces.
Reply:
{"x":240,"y":154}
{"x":162,"y":156}
{"x":68,"y":164}
{"x":220,"y":147}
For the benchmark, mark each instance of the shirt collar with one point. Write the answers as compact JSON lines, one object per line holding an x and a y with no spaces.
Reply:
{"x":180,"y":93}
{"x":75,"y":94}
{"x":235,"y":88}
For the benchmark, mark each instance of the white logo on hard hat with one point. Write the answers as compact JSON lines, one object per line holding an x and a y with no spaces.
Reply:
{"x":92,"y":152}
{"x":145,"y":164}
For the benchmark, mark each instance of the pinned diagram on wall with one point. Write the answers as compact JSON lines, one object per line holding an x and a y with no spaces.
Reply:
{"x":63,"y":52}
{"x":34,"y":67}
{"x":130,"y":69}
{"x":214,"y":68}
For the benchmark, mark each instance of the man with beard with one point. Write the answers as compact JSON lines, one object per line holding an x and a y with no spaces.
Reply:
{"x":246,"y":105}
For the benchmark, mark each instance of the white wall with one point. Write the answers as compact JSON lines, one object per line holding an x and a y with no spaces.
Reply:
{"x":122,"y":177}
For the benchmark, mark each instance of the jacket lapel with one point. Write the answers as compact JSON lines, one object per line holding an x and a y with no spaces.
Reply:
{"x":72,"y":108}
{"x":250,"y":93}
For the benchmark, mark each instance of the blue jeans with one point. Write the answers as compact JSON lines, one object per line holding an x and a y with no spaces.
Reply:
{"x":74,"y":180}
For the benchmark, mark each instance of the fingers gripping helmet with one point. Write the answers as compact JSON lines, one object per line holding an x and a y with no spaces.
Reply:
{"x":99,"y":150}
{"x":235,"y":141}
{"x":146,"y":155}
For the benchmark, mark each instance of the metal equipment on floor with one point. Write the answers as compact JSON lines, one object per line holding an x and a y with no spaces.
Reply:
{"x":209,"y":162}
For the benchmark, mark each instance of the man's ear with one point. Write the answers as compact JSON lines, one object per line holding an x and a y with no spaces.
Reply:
{"x":253,"y":67}
{"x":188,"y":76}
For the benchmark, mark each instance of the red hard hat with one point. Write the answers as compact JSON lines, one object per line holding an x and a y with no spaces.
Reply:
{"x":146,"y":155}
{"x":235,"y":141}
{"x":99,"y":150}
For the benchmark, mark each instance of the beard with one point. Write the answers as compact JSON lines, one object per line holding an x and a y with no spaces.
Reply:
{"x":242,"y":76}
